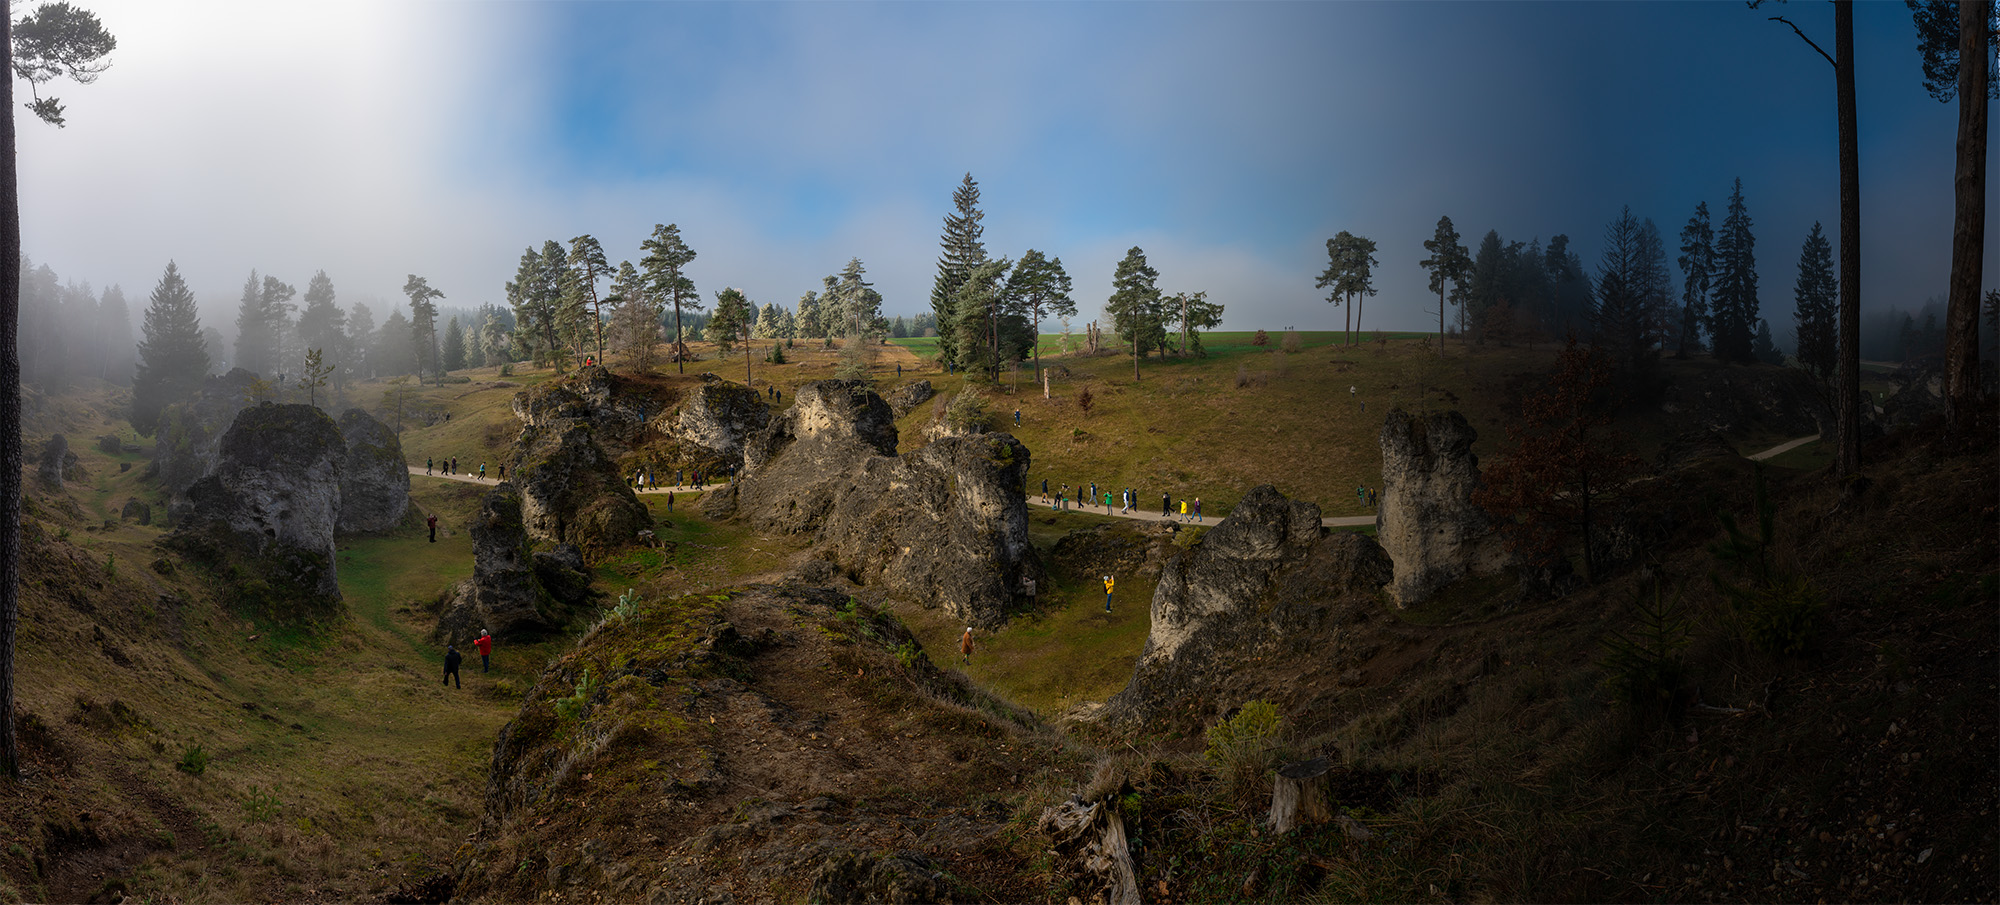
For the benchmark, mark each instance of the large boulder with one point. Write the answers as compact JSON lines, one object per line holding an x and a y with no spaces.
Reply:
{"x":715,"y":419}
{"x":1260,"y":585}
{"x":190,"y":431}
{"x":57,"y":464}
{"x":504,"y":595}
{"x":374,"y":481}
{"x":946,"y":526}
{"x":616,"y":408}
{"x":1427,"y":522}
{"x":266,"y":515}
{"x":571,"y":491}
{"x":903,"y":399}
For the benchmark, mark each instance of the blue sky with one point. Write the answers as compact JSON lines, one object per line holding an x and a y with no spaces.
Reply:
{"x":1230,"y":141}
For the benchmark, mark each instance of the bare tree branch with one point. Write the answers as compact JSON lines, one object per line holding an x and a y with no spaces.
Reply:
{"x":1809,"y":41}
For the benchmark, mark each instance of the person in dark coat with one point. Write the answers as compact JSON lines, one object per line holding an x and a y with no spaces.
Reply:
{"x":432,"y":521}
{"x":451,"y":660}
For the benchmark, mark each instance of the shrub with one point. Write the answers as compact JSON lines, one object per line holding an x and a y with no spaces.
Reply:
{"x":507,"y":369}
{"x":261,"y":806}
{"x":777,"y":356}
{"x":1245,"y":746}
{"x":1779,"y":619}
{"x":194,"y":761}
{"x":1291,"y":343}
{"x":575,"y":705}
{"x":1084,"y":400}
{"x":967,"y":409}
{"x":1646,"y":665}
{"x":1261,"y":339}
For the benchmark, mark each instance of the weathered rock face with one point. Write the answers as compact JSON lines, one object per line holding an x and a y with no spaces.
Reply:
{"x":136,"y":511}
{"x":504,"y":594}
{"x":1260,"y":584}
{"x":190,"y":432}
{"x":910,"y":395}
{"x":271,"y":505}
{"x":374,"y":482}
{"x":717,"y":418}
{"x":57,"y":464}
{"x":616,"y":412}
{"x":946,"y":526}
{"x":571,"y":492}
{"x":1427,"y":522}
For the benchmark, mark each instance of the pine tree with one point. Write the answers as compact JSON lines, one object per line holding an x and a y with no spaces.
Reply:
{"x":587,"y":265}
{"x":732,"y":310}
{"x":1817,"y":305}
{"x":665,"y":266}
{"x":1621,"y":323}
{"x":962,"y":252}
{"x":1734,"y":317}
{"x":809,"y":318}
{"x":1134,"y":306}
{"x":114,"y":335}
{"x":260,"y":319}
{"x":859,"y":305}
{"x":1697,"y":262}
{"x":1042,"y":288}
{"x":1448,"y":263}
{"x":360,"y":339}
{"x":423,"y":324}
{"x":172,"y":357}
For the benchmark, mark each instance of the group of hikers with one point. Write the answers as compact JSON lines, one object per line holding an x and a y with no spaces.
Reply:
{"x":449,"y":468}
{"x":1128,"y":501}
{"x":483,"y":644}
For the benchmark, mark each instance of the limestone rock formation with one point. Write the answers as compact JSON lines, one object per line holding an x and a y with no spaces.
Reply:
{"x":270,"y":507}
{"x":58,"y":464}
{"x":191,"y":431}
{"x":945,"y":526}
{"x":714,"y":420}
{"x":136,"y":511}
{"x":1260,"y":584}
{"x":571,"y":490}
{"x":903,"y":399}
{"x":374,"y":482}
{"x":505,"y":594}
{"x":1427,"y":522}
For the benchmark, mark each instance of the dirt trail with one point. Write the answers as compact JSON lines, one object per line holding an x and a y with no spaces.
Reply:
{"x":1139,"y":513}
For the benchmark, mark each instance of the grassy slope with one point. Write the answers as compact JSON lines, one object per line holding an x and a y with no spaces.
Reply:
{"x":383,"y":754}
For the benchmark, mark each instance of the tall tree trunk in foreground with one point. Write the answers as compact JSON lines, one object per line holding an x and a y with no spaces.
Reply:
{"x":1968,"y":233}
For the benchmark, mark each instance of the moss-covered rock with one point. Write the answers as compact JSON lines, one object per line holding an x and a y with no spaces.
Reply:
{"x":374,"y":481}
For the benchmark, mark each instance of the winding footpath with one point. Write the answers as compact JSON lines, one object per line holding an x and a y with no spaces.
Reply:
{"x":1140,"y":514}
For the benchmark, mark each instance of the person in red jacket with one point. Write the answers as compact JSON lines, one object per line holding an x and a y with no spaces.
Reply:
{"x":484,"y":644}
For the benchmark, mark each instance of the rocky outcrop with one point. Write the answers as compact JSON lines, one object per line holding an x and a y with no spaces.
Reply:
{"x":1259,"y":585}
{"x":714,"y":420}
{"x":945,"y":526}
{"x":506,"y":593}
{"x":268,"y":511}
{"x":58,"y":464}
{"x":136,"y":511}
{"x":571,"y":490}
{"x":374,"y":482}
{"x":904,"y":399}
{"x":191,"y":431}
{"x":1427,"y":522}
{"x":615,"y":408}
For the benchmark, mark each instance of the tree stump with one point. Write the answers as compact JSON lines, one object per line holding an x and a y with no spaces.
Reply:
{"x":1299,"y":796}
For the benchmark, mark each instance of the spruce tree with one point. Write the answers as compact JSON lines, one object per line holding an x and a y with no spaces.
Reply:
{"x":260,"y":316}
{"x":454,"y":346}
{"x":114,"y":335}
{"x":1697,"y":262}
{"x":172,"y":357}
{"x":665,"y":263}
{"x":962,"y":252}
{"x":732,"y":313}
{"x":323,"y":326}
{"x":1734,"y":319}
{"x":1817,"y":306}
{"x":860,"y":306}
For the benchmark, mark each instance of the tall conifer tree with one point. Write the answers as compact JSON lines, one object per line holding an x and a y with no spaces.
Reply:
{"x":172,"y":357}
{"x":1817,"y":306}
{"x":1448,"y":263}
{"x":1697,"y":262}
{"x":963,"y":251}
{"x":1734,"y":319}
{"x":665,"y":263}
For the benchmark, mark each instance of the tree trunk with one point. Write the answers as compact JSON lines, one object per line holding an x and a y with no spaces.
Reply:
{"x":1440,"y":323}
{"x":10,"y":404}
{"x":1968,"y":233}
{"x":1847,"y":402}
{"x":1299,"y":796}
{"x":678,"y":340}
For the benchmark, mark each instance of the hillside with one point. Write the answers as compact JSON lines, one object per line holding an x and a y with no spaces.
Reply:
{"x":1477,"y":737}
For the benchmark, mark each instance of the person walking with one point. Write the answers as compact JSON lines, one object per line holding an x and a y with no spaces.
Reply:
{"x":1107,"y":593}
{"x":1166,"y":505}
{"x":432,"y":521}
{"x":454,"y":465}
{"x":965,"y":645}
{"x":482,"y":471}
{"x":1184,"y":512}
{"x":1107,"y":502}
{"x":670,"y":500}
{"x":451,"y":660}
{"x":1197,"y":510}
{"x":503,"y":472}
{"x":429,"y":464}
{"x":1017,"y":417}
{"x":484,"y":644}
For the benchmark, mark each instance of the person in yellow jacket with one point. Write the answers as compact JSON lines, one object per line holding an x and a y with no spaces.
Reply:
{"x":1107,"y":593}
